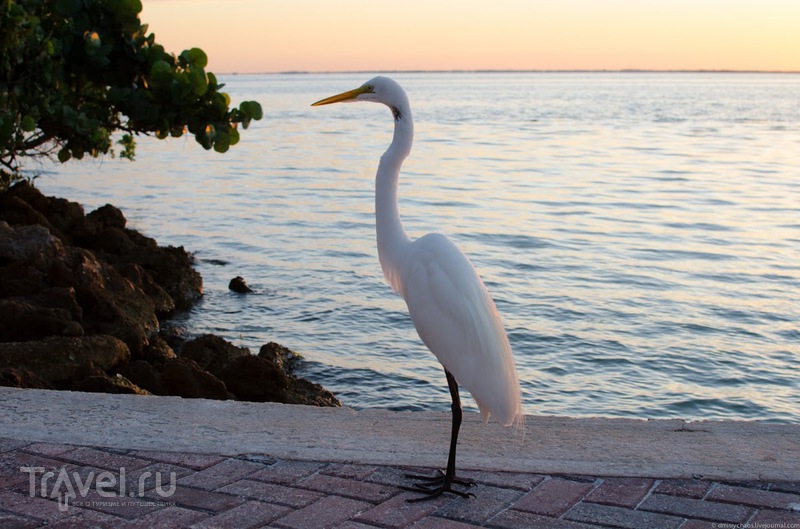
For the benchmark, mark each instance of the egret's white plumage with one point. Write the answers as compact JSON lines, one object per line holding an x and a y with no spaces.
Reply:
{"x":451,"y":309}
{"x":457,"y":319}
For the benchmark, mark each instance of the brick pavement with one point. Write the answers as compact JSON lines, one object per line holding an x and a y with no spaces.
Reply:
{"x":168,"y":489}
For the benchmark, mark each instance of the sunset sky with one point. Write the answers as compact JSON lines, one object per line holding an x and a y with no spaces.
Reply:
{"x":374,"y":35}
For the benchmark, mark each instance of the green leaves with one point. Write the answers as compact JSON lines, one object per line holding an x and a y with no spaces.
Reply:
{"x":64,"y":155}
{"x":198,"y":81}
{"x":129,"y":147}
{"x":6,"y":129}
{"x":67,"y":7}
{"x":161,"y":73}
{"x":194,"y":59}
{"x":28,"y":124}
{"x":96,"y":51}
{"x":74,"y":72}
{"x":129,"y":7}
{"x":250,"y":110}
{"x":15,"y":11}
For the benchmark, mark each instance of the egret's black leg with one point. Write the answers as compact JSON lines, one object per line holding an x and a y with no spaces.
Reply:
{"x":437,"y":485}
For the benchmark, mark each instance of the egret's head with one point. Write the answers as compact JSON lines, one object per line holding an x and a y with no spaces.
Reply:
{"x":378,"y":90}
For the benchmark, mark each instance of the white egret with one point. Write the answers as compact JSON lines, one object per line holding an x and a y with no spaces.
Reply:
{"x":451,"y":309}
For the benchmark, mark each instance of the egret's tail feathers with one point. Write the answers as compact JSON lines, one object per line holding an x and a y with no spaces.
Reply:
{"x":517,"y":419}
{"x":519,"y":423}
{"x":485,"y":413}
{"x":519,"y":426}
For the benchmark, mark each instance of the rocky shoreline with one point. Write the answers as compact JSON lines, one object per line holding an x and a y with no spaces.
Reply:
{"x":85,"y":305}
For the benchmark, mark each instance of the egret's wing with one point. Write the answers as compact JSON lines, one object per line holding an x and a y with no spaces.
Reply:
{"x":457,"y":319}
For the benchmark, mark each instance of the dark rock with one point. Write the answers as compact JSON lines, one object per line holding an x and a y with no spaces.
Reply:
{"x":82,"y":372}
{"x":302,"y":391}
{"x":63,"y":360}
{"x":238,"y":284}
{"x":173,"y":335}
{"x":162,"y":270}
{"x":60,"y":215}
{"x":64,"y":284}
{"x":53,"y":311}
{"x":73,"y":328}
{"x":256,"y":379}
{"x":163,"y":303}
{"x":103,"y":232}
{"x":267,"y":378}
{"x":62,"y":298}
{"x":80,"y":298}
{"x":184,"y":378}
{"x":106,"y":384}
{"x":21,"y":320}
{"x":107,"y":216}
{"x":23,"y":250}
{"x":281,"y":356}
{"x":111,"y":304}
{"x":172,"y":268}
{"x":19,"y":279}
{"x":157,"y":352}
{"x":144,"y":375}
{"x":112,"y":241}
{"x":212,"y":353}
{"x":30,"y":245}
{"x":169,"y":268}
{"x":18,"y":377}
{"x":15,"y":211}
{"x":27,"y":254}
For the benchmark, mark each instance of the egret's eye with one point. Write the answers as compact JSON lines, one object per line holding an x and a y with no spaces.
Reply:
{"x":370,"y":88}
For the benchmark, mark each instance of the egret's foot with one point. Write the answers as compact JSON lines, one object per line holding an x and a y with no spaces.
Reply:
{"x":438,"y":479}
{"x":434,"y":491}
{"x":434,"y":486}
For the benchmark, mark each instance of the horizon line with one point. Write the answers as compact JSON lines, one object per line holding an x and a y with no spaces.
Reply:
{"x":549,"y":70}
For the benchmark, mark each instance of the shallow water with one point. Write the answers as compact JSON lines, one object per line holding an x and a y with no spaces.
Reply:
{"x":640,"y":233}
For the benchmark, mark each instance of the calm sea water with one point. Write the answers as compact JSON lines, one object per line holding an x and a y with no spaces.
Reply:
{"x":640,"y":233}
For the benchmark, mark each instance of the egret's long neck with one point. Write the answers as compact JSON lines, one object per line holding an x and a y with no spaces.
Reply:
{"x":392,"y":238}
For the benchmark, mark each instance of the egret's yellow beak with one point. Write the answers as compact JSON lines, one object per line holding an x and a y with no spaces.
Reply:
{"x":344,"y":96}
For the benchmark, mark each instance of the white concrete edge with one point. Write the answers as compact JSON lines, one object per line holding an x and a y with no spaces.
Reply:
{"x":728,"y":450}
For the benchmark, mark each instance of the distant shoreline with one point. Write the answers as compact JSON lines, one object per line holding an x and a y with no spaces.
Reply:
{"x":632,"y":70}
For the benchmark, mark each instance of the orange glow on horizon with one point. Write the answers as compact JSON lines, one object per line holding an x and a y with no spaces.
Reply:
{"x":281,"y":35}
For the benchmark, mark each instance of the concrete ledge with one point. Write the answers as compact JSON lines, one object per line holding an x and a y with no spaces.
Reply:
{"x":729,"y":450}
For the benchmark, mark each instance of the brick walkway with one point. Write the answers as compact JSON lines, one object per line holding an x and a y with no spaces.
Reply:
{"x":124,"y":489}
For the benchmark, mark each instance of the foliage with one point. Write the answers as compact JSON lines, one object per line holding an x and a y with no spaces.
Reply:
{"x":74,"y":72}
